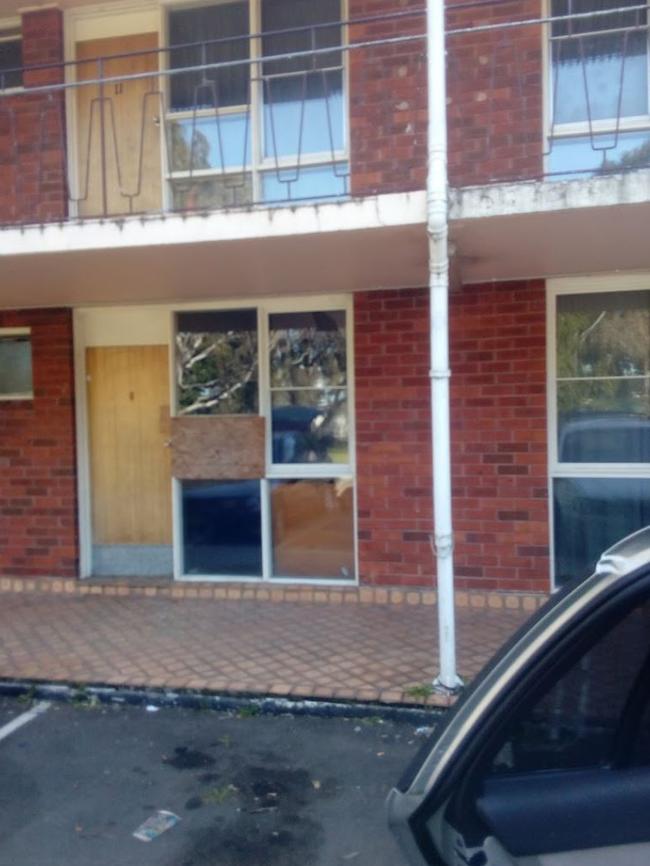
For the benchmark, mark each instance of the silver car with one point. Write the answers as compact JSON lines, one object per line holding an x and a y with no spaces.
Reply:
{"x":545,"y":761}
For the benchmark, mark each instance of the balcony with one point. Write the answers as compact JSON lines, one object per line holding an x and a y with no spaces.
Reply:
{"x":210,"y":157}
{"x":549,"y":137}
{"x":144,"y":162}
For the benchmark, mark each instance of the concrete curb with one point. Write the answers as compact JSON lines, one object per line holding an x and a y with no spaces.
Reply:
{"x":205,"y":700}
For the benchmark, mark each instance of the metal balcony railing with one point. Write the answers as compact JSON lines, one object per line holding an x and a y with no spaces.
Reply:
{"x":561,"y":96}
{"x":327,"y":111}
{"x":256,"y":120}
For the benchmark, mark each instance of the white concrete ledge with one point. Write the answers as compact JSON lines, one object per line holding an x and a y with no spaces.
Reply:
{"x":545,"y":196}
{"x":382,"y":211}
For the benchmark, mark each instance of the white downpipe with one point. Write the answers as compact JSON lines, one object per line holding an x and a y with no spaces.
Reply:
{"x":437,"y":229}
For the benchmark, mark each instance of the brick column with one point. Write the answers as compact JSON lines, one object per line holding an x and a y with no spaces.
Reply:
{"x":32,"y":129}
{"x":38,"y":499}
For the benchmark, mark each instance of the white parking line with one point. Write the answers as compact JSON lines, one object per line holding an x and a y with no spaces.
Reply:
{"x":24,"y":719}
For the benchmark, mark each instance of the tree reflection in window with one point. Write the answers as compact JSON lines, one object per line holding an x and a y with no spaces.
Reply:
{"x":307,"y":357}
{"x":217,"y":363}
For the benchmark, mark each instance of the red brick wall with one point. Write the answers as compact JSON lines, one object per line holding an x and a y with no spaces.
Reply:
{"x":495,"y":105}
{"x":393,"y":437}
{"x":388,"y":102}
{"x":32,"y":130}
{"x":38,"y":522}
{"x":499,"y":437}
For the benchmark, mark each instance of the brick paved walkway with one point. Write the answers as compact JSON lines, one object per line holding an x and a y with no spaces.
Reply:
{"x":363,"y":651}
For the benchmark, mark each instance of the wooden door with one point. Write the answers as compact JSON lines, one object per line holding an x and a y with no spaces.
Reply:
{"x":131,"y":124}
{"x":130,"y":466}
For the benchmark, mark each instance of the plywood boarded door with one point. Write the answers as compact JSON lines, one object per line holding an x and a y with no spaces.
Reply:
{"x":128,"y":414}
{"x":130,"y":123}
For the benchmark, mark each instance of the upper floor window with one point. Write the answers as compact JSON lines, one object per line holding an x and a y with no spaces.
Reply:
{"x":263,"y":121}
{"x":11,"y":57}
{"x":599,"y":105}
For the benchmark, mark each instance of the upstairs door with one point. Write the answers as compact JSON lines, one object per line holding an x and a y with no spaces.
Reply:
{"x":118,"y":127}
{"x":128,"y":417}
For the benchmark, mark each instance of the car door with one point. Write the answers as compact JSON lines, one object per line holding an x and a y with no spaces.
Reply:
{"x":546,"y":762}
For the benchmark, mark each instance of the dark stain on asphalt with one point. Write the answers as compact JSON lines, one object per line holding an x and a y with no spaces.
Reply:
{"x":207,"y":778}
{"x":194,"y":803}
{"x":185,"y":758}
{"x":258,"y":842}
{"x":266,"y":822}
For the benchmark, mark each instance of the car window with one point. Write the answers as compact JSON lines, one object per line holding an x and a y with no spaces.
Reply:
{"x":574,"y":724}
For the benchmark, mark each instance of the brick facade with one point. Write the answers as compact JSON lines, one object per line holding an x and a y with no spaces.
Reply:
{"x":494,"y":94}
{"x":32,"y":129}
{"x":38,"y":506}
{"x":388,"y":102}
{"x":499,"y":437}
{"x":495,"y":97}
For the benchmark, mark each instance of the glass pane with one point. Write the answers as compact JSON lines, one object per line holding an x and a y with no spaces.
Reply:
{"x":220,"y":141}
{"x":313,"y":528}
{"x":305,"y":184}
{"x":600,"y":154}
{"x":212,"y":193}
{"x":575,"y":724}
{"x":195,"y":29}
{"x":601,"y":76}
{"x":15,"y":366}
{"x":11,"y":58}
{"x":216,"y":362}
{"x":307,"y":349}
{"x":590,"y":514}
{"x":222,"y":528}
{"x":603,"y":334}
{"x":310,"y":426}
{"x":606,"y":421}
{"x":321,"y":29}
{"x":303,"y":114}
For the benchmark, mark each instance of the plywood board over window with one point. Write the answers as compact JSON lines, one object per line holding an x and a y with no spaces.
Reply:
{"x":218,"y":447}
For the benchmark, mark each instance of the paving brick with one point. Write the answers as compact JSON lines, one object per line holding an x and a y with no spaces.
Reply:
{"x":361,"y":651}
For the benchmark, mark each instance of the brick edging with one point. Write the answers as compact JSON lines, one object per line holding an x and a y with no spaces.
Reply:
{"x":247,"y":592}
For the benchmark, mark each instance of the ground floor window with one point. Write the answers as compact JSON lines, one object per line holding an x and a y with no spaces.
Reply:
{"x":600,"y":418}
{"x":15,"y":364}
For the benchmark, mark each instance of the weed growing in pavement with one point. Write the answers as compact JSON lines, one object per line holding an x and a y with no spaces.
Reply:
{"x":82,"y":700}
{"x":248,"y":712}
{"x":419,"y":692}
{"x":28,"y":696}
{"x":219,"y":795}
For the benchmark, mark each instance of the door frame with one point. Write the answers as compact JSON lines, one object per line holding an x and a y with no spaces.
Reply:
{"x":167,"y":312}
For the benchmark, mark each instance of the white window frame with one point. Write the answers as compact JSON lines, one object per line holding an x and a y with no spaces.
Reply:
{"x":257,"y":164}
{"x":275,"y":472}
{"x":563,"y":131}
{"x":587,"y":285}
{"x":22,"y":395}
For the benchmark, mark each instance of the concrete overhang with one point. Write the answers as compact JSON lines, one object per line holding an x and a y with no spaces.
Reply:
{"x":371,"y":243}
{"x":552,"y":228}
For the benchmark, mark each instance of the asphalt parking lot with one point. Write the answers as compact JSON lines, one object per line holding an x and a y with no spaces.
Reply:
{"x":78,"y":780}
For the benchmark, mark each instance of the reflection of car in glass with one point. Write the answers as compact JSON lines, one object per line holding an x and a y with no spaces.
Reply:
{"x":545,"y":761}
{"x":605,"y":437}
